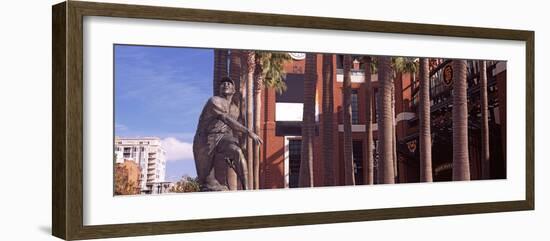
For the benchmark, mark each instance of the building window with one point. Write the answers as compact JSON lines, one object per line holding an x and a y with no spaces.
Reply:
{"x":354,"y":107}
{"x":340,"y":61}
{"x":294,"y":160}
{"x":358,"y":162}
{"x":127,"y":153}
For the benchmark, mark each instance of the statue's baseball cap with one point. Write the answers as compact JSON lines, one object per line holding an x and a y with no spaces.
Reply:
{"x":227,"y":79}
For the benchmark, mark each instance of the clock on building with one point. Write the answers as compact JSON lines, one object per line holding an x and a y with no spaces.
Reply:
{"x":297,"y":56}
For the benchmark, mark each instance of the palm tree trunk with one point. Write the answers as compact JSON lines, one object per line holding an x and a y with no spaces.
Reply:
{"x":485,"y":155}
{"x":308,"y":122}
{"x":328,"y":112}
{"x":369,"y":160}
{"x":385,"y":121}
{"x":461,"y":163}
{"x":258,"y":85}
{"x":393,"y":134}
{"x":348,"y":145}
{"x":250,"y":61}
{"x":235,"y":74}
{"x":378,"y":148}
{"x":424,"y":118}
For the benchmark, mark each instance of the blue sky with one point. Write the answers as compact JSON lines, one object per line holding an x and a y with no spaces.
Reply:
{"x":160,"y":91}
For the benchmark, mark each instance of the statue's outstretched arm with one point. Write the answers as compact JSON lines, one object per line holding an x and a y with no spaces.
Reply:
{"x":235,"y":124}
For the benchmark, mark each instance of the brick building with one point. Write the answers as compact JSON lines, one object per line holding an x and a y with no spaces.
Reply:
{"x":281,"y":117}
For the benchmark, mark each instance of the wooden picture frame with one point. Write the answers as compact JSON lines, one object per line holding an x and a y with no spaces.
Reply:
{"x":67,"y":124}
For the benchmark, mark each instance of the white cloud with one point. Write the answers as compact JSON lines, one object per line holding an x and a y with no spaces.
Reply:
{"x":177,"y":150}
{"x":120,"y":127}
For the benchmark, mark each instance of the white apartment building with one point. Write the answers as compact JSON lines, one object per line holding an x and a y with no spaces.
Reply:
{"x":148,"y":153}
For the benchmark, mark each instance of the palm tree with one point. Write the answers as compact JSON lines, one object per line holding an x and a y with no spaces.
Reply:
{"x":258,"y":84}
{"x":308,"y":122}
{"x":485,"y":155}
{"x":348,"y":147}
{"x":400,"y":65}
{"x":369,"y":160}
{"x":328,"y":119}
{"x":424,"y":118}
{"x":385,"y":121}
{"x":235,"y":74}
{"x":461,"y":163}
{"x":250,"y":61}
{"x":393,"y":132}
{"x":269,"y":72}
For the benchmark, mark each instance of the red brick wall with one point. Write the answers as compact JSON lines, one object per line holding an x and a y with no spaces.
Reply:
{"x":272,"y":151}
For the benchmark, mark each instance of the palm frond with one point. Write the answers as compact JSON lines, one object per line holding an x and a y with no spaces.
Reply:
{"x":272,"y":69}
{"x":373,"y":63}
{"x":405,"y":64}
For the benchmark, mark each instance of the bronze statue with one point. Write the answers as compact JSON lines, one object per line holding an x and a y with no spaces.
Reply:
{"x":216,"y":138}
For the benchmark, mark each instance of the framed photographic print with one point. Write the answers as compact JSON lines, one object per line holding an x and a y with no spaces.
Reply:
{"x":171,"y":120}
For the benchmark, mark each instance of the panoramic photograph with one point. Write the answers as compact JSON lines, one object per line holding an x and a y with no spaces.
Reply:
{"x":203,"y":119}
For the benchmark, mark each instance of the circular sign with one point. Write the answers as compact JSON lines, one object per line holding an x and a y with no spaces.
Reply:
{"x":297,"y":56}
{"x":411,"y":145}
{"x":448,"y":75}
